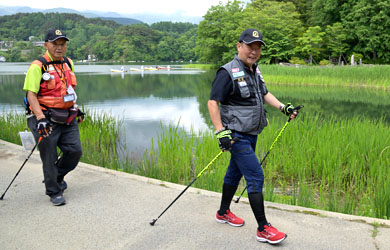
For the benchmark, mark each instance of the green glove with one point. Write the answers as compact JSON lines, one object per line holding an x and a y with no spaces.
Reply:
{"x":288,"y":109}
{"x":224,"y":137}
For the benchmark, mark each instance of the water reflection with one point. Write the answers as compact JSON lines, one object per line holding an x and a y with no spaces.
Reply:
{"x":166,"y":111}
{"x":143,"y":117}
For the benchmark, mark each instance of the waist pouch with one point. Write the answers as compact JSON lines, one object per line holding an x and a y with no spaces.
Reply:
{"x":58,"y":115}
{"x":62,"y":116}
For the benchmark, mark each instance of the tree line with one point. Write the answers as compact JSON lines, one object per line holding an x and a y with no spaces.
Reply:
{"x":105,"y":39}
{"x":296,"y":31}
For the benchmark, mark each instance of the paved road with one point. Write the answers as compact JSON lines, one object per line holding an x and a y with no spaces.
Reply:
{"x":111,"y":210}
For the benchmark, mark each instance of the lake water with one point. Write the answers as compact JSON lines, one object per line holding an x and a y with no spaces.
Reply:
{"x":146,"y":100}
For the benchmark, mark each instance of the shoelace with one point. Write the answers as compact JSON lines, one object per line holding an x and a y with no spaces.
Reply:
{"x":231,"y":215}
{"x":270,"y":230}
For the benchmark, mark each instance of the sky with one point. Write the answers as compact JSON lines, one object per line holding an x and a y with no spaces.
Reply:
{"x":188,"y":7}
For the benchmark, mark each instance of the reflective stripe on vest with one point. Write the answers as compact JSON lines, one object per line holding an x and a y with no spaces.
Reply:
{"x":51,"y":92}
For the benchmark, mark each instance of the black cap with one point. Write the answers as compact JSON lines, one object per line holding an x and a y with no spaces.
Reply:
{"x":250,"y":36}
{"x":53,"y":35}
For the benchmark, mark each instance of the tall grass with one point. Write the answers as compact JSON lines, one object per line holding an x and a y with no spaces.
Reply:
{"x":377,"y":76}
{"x":11,"y":123}
{"x":99,"y":135}
{"x":179,"y":158}
{"x":331,"y":94}
{"x":336,"y":165}
{"x":331,"y":164}
{"x":370,"y":76}
{"x":200,"y":66}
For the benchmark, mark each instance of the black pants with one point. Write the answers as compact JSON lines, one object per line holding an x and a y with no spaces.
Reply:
{"x":67,"y":138}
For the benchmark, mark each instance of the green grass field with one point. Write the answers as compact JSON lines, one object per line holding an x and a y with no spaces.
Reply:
{"x":377,"y":76}
{"x":367,"y":76}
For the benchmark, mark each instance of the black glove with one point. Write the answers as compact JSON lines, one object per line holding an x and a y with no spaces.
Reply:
{"x":288,"y":109}
{"x":44,"y":127}
{"x":80,"y":116}
{"x":224,"y":139}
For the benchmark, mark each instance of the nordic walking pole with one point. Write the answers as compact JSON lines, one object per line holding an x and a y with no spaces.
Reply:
{"x":272,"y":145}
{"x":201,"y":172}
{"x":28,"y":157}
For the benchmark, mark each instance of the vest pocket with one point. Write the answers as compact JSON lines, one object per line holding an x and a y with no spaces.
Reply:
{"x":71,"y":78}
{"x":51,"y":83}
{"x":245,"y":119}
{"x":243,"y":87}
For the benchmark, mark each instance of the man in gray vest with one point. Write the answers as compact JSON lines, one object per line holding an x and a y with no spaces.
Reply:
{"x":236,"y":108}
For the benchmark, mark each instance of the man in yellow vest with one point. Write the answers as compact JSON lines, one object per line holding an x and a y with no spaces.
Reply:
{"x":53,"y":114}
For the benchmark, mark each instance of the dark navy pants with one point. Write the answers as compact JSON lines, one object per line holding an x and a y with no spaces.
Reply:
{"x":67,"y":138}
{"x":243,"y":162}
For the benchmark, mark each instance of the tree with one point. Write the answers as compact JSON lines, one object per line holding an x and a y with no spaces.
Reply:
{"x":304,"y":9}
{"x":142,"y":38}
{"x":15,"y":54}
{"x":77,"y":40}
{"x":218,"y":33}
{"x":165,"y":50}
{"x":187,"y":43}
{"x":103,"y":49}
{"x":280,"y":25}
{"x":368,"y":23}
{"x":310,"y":43}
{"x":325,"y":12}
{"x":336,"y":40}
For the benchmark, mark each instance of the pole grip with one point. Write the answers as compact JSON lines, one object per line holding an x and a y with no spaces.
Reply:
{"x":299,"y":107}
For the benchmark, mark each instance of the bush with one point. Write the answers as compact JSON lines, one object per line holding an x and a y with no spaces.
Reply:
{"x":296,"y":60}
{"x":324,"y":62}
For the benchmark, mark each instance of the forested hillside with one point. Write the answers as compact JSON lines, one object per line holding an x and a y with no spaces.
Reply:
{"x":107,"y":40}
{"x":297,"y":31}
{"x":315,"y":30}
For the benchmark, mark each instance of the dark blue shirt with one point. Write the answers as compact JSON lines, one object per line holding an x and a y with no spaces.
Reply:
{"x":223,"y":86}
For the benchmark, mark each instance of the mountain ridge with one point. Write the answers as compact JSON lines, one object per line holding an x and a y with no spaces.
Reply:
{"x":125,"y":19}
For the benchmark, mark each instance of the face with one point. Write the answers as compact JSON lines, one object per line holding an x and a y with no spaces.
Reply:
{"x":57,"y":49}
{"x":249,"y":53}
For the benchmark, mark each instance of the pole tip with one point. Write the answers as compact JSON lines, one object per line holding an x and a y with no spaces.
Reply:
{"x":152,"y":222}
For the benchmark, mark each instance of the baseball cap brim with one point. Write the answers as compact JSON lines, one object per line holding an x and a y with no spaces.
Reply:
{"x":256,"y":40}
{"x":58,"y":37}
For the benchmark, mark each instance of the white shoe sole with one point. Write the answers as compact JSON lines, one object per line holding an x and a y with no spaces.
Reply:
{"x":231,"y":224}
{"x":263,"y":240}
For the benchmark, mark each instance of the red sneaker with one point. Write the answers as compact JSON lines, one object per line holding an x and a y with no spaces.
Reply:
{"x":231,"y":219}
{"x":270,"y":235}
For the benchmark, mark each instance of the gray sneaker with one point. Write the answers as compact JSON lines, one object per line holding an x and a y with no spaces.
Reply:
{"x":58,"y":200}
{"x":63,"y":185}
